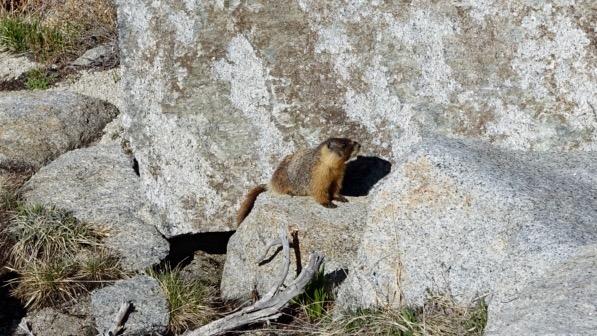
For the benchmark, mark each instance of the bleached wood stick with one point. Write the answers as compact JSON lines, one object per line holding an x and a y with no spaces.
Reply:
{"x":25,"y":326}
{"x":286,"y":252}
{"x":117,"y":326}
{"x":267,"y":248}
{"x":270,"y":305}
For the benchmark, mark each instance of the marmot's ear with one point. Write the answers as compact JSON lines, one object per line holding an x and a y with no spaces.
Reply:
{"x":336,"y":145}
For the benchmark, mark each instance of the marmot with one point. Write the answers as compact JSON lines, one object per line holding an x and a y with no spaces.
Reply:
{"x":317,"y":172}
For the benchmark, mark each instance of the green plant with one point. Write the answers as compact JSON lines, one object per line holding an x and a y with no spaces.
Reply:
{"x":477,"y":320}
{"x":37,"y":80}
{"x":13,"y":34}
{"x":188,"y":299}
{"x":317,"y":297}
{"x":22,"y":34}
{"x":56,"y":31}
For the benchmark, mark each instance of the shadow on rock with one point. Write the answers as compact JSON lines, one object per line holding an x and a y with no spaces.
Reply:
{"x":362,"y":174}
{"x":184,"y":246}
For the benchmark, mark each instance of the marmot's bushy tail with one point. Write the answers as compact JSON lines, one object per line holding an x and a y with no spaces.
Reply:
{"x":247,"y":205}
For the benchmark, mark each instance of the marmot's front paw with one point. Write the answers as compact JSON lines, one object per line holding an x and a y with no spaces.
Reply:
{"x":340,"y":198}
{"x":330,"y":205}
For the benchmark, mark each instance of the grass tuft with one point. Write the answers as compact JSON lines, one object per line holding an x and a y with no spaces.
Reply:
{"x":10,"y":181}
{"x":21,"y":35}
{"x":98,"y":264}
{"x":56,"y":31}
{"x":55,"y":256}
{"x":188,"y":299}
{"x":46,"y":283}
{"x":44,"y":233}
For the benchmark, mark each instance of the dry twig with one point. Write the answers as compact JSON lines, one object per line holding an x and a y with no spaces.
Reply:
{"x":270,"y":305}
{"x":118,"y":321}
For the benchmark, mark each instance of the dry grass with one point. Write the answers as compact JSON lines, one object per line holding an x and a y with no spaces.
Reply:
{"x":10,"y":181}
{"x":56,"y":31}
{"x":45,"y":233}
{"x":440,"y":316}
{"x":189,"y":300}
{"x":55,"y":256}
{"x":43,"y":283}
{"x":98,"y":265}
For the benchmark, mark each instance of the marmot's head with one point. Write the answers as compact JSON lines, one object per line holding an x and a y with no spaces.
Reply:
{"x":344,"y":148}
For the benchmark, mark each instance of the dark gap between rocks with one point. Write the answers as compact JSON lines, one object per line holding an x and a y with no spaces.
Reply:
{"x":136,"y":166}
{"x":11,"y":309}
{"x":183,"y":247}
{"x":362,"y":174}
{"x":336,"y":277}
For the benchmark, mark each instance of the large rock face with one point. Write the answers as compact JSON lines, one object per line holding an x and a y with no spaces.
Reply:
{"x":99,"y":185}
{"x":36,"y":127}
{"x":464,"y":218}
{"x":221,"y":90}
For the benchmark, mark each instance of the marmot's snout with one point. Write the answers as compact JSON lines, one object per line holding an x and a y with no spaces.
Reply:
{"x":356,"y":147}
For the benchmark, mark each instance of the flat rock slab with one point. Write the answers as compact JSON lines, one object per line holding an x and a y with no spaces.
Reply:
{"x":51,"y":322}
{"x":469,"y":219}
{"x":563,"y":301}
{"x":150,"y":314}
{"x":97,"y":56}
{"x":98,"y":184}
{"x":11,"y":66}
{"x":36,"y":127}
{"x":334,"y":232}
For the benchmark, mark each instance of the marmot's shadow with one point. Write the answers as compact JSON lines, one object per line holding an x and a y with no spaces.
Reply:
{"x":362,"y":174}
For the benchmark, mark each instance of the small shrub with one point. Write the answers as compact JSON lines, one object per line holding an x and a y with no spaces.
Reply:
{"x":44,"y":233}
{"x":13,"y":34}
{"x":188,"y":299}
{"x":477,"y":318}
{"x":37,"y":80}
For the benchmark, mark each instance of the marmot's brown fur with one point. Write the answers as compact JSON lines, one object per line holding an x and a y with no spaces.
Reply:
{"x":317,"y":172}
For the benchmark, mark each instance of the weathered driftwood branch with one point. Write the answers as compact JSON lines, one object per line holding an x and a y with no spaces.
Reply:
{"x":25,"y":326}
{"x":275,"y":243}
{"x":118,"y":325}
{"x":270,"y":305}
